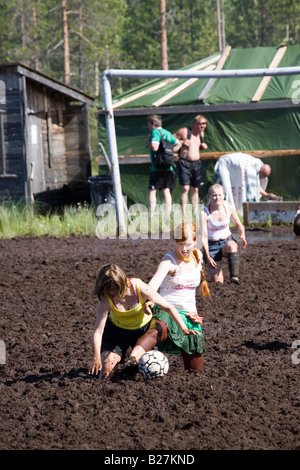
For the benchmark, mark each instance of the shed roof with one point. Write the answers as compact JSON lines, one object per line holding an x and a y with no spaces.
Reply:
{"x":49,"y":82}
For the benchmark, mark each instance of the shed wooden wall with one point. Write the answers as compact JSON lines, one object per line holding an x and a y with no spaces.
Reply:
{"x":77,"y":144}
{"x":61,"y":152}
{"x":49,"y":107}
{"x":65,"y":134}
{"x":13,"y":182}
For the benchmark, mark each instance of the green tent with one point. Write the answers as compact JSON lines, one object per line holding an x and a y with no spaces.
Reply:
{"x":255,"y":115}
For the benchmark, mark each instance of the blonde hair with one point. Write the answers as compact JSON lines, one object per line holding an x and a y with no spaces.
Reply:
{"x":183,"y":232}
{"x":200,"y":118}
{"x":110,"y":275}
{"x":215,"y":187}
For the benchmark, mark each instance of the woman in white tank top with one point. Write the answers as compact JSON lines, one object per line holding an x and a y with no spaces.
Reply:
{"x":217,"y":240}
{"x":177,"y":277}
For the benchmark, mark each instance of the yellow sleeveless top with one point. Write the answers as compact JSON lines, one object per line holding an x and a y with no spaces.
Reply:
{"x":130,"y":319}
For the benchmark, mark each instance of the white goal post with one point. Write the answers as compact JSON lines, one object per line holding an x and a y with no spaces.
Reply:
{"x":109,"y":113}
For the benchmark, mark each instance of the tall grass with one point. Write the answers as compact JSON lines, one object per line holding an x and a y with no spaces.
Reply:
{"x":25,"y":220}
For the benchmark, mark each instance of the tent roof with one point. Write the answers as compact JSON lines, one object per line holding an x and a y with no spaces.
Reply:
{"x":167,"y":95}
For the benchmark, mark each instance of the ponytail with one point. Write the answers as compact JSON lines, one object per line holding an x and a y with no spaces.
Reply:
{"x":196,"y":255}
{"x":204,"y":285}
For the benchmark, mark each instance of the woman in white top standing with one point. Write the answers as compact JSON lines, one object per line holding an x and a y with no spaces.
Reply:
{"x":177,"y":277}
{"x":217,"y":240}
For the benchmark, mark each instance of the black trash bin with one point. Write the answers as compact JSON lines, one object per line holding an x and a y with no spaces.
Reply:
{"x":101,"y":190}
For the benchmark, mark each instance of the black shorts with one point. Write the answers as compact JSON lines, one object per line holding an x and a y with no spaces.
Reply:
{"x":161,"y":180}
{"x":190,"y":173}
{"x":118,"y":340}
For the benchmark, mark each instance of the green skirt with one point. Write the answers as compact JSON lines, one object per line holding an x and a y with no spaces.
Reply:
{"x":176,"y":339}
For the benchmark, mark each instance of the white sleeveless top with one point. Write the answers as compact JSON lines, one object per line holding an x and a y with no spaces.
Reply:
{"x":180,"y":288}
{"x":218,"y":230}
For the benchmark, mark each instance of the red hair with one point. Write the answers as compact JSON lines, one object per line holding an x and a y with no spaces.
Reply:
{"x":183,"y":232}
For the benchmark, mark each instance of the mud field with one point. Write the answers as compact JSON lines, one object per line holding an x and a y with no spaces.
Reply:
{"x":246,"y":398}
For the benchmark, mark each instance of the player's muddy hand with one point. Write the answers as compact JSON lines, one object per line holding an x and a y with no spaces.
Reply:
{"x":188,"y":332}
{"x":148,"y":306}
{"x":95,"y":367}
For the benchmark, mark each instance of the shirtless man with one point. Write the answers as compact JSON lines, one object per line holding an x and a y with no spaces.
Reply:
{"x":189,"y":165}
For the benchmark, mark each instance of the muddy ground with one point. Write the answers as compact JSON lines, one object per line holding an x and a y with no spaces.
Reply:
{"x":246,"y":398}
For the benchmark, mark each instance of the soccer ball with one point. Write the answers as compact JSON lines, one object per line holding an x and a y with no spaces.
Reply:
{"x":153,"y":364}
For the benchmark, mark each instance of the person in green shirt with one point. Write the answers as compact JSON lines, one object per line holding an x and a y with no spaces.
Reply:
{"x":160,"y":179}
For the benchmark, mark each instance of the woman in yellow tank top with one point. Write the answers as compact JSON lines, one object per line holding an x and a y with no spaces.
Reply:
{"x":121,"y":319}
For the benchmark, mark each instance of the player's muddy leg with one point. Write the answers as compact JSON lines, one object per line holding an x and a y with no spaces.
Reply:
{"x":157,"y":332}
{"x":233,"y":266}
{"x":192,"y":361}
{"x":109,"y":361}
{"x":230,"y":251}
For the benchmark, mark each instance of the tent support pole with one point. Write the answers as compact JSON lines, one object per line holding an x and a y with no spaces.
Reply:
{"x":113,"y":153}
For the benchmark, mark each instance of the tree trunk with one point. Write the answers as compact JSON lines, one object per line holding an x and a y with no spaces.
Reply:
{"x":35,"y":43}
{"x":66,"y":42}
{"x":80,"y":47}
{"x":22,"y":25}
{"x":22,"y":30}
{"x":221,"y":25}
{"x":164,"y":48}
{"x":182,"y":17}
{"x":97,"y":88}
{"x":263,"y":23}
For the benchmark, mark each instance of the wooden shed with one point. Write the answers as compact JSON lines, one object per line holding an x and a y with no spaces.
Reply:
{"x":44,"y":135}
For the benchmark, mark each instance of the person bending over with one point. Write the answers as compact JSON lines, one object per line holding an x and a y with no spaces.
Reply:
{"x":121,"y":319}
